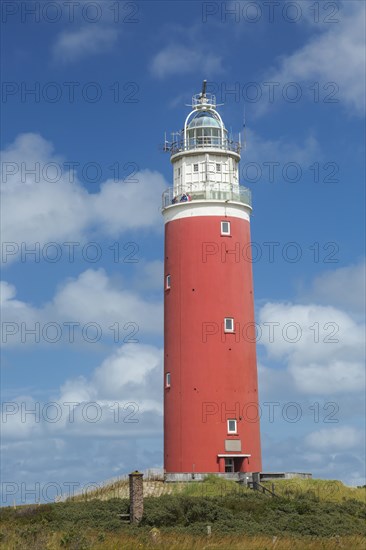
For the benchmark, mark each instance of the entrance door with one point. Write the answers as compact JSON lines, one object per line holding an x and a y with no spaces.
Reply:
{"x":238,"y":463}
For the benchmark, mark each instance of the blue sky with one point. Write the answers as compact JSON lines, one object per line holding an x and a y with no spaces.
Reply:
{"x":99,"y":177}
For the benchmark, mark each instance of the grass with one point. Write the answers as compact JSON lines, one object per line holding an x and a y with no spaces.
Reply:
{"x":149,"y":540}
{"x":309,"y":514}
{"x":320,"y":489}
{"x":212,"y":486}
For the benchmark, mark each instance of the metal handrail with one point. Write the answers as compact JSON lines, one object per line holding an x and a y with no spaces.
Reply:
{"x":242,"y":195}
{"x":256,"y":486}
{"x":180,"y":146}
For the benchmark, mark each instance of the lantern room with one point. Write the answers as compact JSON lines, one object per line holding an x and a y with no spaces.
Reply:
{"x":205,"y":129}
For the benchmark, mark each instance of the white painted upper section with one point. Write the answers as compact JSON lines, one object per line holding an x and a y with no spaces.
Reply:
{"x":206,"y":208}
{"x":217,"y":172}
{"x":205,"y":164}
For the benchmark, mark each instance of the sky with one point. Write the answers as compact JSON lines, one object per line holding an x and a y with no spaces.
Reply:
{"x":89,"y":89}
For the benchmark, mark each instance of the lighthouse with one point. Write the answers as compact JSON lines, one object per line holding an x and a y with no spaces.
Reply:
{"x":211,"y":413}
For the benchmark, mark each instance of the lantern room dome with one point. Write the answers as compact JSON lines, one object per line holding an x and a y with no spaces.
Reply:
{"x":204,"y":119}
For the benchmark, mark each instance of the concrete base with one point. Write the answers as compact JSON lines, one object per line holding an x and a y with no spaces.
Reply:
{"x":241,"y":477}
{"x":264,"y":476}
{"x":193,"y":476}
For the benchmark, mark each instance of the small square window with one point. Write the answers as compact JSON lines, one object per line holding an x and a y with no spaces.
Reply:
{"x":195,"y":168}
{"x":225,"y":228}
{"x":231,"y":426}
{"x":167,"y":282}
{"x":167,"y":380}
{"x":218,"y":167}
{"x":229,"y":324}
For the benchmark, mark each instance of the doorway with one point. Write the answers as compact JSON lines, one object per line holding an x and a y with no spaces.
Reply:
{"x":229,"y":465}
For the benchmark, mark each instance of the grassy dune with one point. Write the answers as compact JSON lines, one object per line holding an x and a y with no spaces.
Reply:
{"x":308,"y":514}
{"x":320,"y":489}
{"x":167,"y":541}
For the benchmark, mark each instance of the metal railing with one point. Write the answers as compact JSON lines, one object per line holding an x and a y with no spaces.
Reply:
{"x":256,"y":486}
{"x":242,"y":195}
{"x":208,"y":99}
{"x":204,"y":143}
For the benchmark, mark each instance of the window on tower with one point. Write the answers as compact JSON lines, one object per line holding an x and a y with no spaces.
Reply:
{"x":218,"y":167}
{"x":229,"y":324}
{"x":167,"y":380}
{"x":167,"y":282}
{"x":231,"y":426}
{"x":225,"y":228}
{"x":195,"y":168}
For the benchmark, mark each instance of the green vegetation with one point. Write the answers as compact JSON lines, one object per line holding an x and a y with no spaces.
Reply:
{"x":239,"y":518}
{"x":318,"y":489}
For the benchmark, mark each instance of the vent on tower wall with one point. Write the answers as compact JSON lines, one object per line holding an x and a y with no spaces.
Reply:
{"x":232,"y":445}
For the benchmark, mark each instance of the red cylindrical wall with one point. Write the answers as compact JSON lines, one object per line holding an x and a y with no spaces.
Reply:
{"x":213,"y":375}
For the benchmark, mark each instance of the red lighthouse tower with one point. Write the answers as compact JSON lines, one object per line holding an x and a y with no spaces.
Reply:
{"x":211,"y":420}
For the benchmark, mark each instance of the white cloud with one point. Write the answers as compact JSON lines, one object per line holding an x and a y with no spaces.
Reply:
{"x":178,"y":59}
{"x":325,"y":379}
{"x":131,"y":374}
{"x":340,"y":438}
{"x":7,"y":293}
{"x":14,"y":310}
{"x":93,"y":296}
{"x":123,"y":396}
{"x":17,"y":421}
{"x":113,"y":416}
{"x":344,"y":287}
{"x":335,"y":377}
{"x":328,"y":453}
{"x":39,"y":210}
{"x":121,"y":314}
{"x":335,"y":55}
{"x":131,"y":366}
{"x":73,"y":45}
{"x":322,"y":346}
{"x":151,"y":275}
{"x":274,"y":384}
{"x":263,"y":150}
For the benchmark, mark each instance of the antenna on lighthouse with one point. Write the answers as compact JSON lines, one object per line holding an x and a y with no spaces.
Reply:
{"x":202,"y":98}
{"x":204,"y":85}
{"x":166,"y":146}
{"x":245,"y":128}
